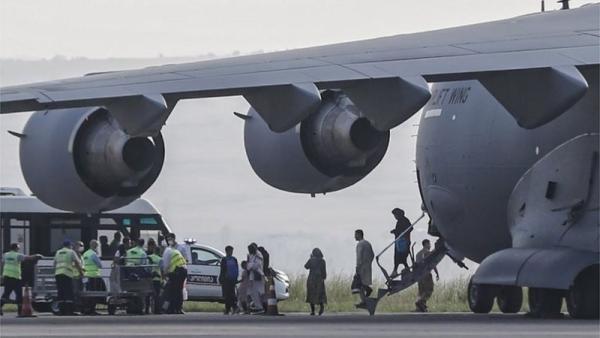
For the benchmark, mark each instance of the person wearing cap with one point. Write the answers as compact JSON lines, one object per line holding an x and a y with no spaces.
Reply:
{"x":66,"y":263}
{"x":402,"y":244}
{"x":91,"y":267}
{"x":174,"y":267}
{"x":11,"y":274}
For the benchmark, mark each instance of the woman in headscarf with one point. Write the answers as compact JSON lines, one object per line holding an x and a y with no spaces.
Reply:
{"x":315,"y":284}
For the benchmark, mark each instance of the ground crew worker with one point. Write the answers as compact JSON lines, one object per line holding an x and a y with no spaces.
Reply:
{"x":155,"y":259}
{"x":91,"y":267}
{"x":425,"y":285}
{"x":65,"y":265}
{"x":11,"y":274}
{"x":174,"y":267}
{"x":137,"y":255}
{"x":78,"y":277}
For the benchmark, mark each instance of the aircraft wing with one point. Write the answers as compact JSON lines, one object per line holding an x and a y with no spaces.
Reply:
{"x":538,"y":53}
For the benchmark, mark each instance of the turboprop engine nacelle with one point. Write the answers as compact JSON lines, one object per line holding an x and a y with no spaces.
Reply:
{"x":332,"y":149}
{"x":81,"y":160}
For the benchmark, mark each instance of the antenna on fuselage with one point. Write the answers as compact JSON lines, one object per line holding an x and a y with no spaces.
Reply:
{"x":565,"y":4}
{"x":543,"y":6}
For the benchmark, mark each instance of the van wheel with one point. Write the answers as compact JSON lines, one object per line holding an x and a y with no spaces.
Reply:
{"x":481,"y":297}
{"x":545,"y":303}
{"x":112,"y":309}
{"x":509,"y":299}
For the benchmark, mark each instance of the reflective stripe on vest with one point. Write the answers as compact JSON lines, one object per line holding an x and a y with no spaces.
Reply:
{"x":90,"y":267}
{"x":155,"y":260}
{"x":177,"y":260}
{"x":134,"y":256}
{"x":64,"y":262}
{"x":12,"y":266}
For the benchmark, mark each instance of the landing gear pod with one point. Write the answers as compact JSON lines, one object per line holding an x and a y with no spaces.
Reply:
{"x":81,"y":160}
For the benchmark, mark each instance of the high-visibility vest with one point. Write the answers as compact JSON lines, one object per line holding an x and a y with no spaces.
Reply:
{"x":155,"y":260}
{"x":12,"y":266}
{"x":134,"y":256}
{"x":64,"y":262}
{"x":89,"y":265}
{"x":177,"y":260}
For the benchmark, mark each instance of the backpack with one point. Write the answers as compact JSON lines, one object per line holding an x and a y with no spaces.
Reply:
{"x":231,"y":268}
{"x":402,"y":245}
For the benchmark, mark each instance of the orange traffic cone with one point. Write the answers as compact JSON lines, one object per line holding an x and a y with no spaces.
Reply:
{"x":272,"y":300}
{"x":26,"y":309}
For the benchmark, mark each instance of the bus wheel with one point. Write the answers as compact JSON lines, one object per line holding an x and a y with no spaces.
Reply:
{"x":481,"y":297}
{"x":509,"y":299}
{"x":42,"y":306}
{"x":544,"y":303}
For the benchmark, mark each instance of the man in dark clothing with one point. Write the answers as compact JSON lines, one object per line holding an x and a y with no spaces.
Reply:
{"x":121,"y":253}
{"x":114,"y":245}
{"x":228,"y":278}
{"x":402,"y":245}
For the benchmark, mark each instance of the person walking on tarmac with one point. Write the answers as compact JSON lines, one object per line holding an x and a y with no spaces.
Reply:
{"x":228,"y":278}
{"x":402,"y":245}
{"x":95,"y":282}
{"x":154,"y":258}
{"x":256,"y":285}
{"x":78,"y":277}
{"x":425,"y":284}
{"x":174,"y":267}
{"x":315,"y":283}
{"x":364,"y":261}
{"x":11,"y":275}
{"x":65,"y":265}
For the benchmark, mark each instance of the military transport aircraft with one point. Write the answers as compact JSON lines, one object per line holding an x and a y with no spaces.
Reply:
{"x":507,"y":150}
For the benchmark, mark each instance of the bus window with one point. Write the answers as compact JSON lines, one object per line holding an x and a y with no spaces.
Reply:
{"x":59,"y":235}
{"x":19,"y":233}
{"x":105,"y":251}
{"x":148,"y":221}
{"x":147,"y":234}
{"x":107,"y":221}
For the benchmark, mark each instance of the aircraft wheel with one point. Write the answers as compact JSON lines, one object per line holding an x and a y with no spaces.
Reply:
{"x":544,"y":303}
{"x":481,"y":297}
{"x":583,"y":297}
{"x":509,"y":299}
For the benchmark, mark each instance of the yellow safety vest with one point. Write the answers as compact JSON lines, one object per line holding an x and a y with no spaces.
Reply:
{"x":12,"y":266}
{"x":134,"y":256}
{"x":64,"y":262}
{"x":155,"y":260}
{"x":89,"y":265}
{"x":177,"y":260}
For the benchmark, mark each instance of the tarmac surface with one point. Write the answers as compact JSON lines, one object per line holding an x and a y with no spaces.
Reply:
{"x":297,"y":325}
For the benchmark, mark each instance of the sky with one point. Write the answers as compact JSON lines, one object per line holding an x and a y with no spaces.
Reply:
{"x":149,"y":28}
{"x":207,"y":189}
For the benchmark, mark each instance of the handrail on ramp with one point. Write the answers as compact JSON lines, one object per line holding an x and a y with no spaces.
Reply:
{"x":385,"y":273}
